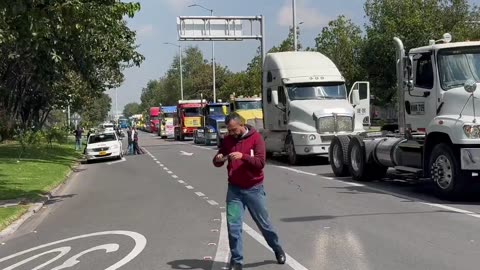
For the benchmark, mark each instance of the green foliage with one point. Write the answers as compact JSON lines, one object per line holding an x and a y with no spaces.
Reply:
{"x":56,"y":134}
{"x":59,"y":52}
{"x":342,"y":42}
{"x":95,"y":111}
{"x":131,"y":109}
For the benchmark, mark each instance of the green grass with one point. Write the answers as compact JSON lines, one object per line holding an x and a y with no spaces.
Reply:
{"x":10,"y":214}
{"x":38,"y":170}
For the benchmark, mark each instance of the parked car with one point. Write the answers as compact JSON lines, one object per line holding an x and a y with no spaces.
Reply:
{"x":104,"y":145}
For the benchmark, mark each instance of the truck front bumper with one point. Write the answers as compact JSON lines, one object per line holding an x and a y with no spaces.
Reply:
{"x":311,"y":143}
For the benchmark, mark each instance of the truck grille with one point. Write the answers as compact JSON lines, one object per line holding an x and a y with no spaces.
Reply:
{"x":335,"y":123}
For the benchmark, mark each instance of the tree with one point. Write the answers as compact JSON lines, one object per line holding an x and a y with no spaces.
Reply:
{"x":59,"y":52}
{"x":342,"y":42}
{"x":131,"y":109}
{"x":96,"y":112}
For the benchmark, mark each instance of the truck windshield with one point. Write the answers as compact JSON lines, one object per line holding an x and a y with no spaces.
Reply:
{"x":168,"y":115}
{"x":248,"y":105}
{"x":217,"y":110}
{"x":458,"y":65}
{"x":335,"y":90}
{"x":191,"y":112}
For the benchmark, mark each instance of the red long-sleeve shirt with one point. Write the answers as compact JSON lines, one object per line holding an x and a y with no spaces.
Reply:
{"x":246,"y":172}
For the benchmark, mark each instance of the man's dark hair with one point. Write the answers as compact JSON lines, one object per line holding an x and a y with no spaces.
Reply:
{"x":233,"y":116}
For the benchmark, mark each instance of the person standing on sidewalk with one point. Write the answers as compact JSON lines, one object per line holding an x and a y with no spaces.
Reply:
{"x":244,"y":148}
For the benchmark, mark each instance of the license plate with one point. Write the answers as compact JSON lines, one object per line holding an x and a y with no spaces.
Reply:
{"x":102,"y":153}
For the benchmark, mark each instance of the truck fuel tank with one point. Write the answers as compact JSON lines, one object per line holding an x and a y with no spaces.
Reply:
{"x":385,"y":151}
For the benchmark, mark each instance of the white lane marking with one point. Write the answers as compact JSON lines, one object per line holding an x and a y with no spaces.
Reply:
{"x":199,"y":194}
{"x":165,"y":168}
{"x":161,"y":165}
{"x":212,"y":202}
{"x":223,"y":251}
{"x":203,"y":147}
{"x":183,"y":153}
{"x":294,"y":170}
{"x":154,"y":158}
{"x":117,"y":161}
{"x":294,"y":264}
{"x":189,"y":187}
{"x":158,"y":162}
{"x":62,"y":251}
{"x":398,"y":195}
{"x":174,"y":176}
{"x":140,"y":243}
{"x":169,"y":172}
{"x":109,"y":248}
{"x":181,"y":181}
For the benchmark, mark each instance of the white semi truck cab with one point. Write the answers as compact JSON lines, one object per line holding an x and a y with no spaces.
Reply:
{"x":439,"y":129}
{"x":305,"y":104}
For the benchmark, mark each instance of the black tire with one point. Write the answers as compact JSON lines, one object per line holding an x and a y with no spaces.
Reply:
{"x":445,"y":171}
{"x":338,"y":156}
{"x":359,"y":166}
{"x":293,"y":158}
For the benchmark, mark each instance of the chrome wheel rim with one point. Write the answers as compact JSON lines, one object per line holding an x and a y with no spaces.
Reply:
{"x":442,"y":172}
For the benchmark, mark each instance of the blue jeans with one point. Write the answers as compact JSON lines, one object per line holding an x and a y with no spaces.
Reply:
{"x":78,"y":144}
{"x":130,"y":148}
{"x":255,"y":201}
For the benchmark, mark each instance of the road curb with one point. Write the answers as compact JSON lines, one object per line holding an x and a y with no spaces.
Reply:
{"x":35,"y":207}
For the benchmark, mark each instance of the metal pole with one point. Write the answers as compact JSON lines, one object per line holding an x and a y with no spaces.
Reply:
{"x":294,"y":25}
{"x":181,"y":71}
{"x":263,"y":47}
{"x":213,"y":63}
{"x":68,"y":113}
{"x":116,"y":104}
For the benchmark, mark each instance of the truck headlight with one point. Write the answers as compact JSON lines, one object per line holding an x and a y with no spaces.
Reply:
{"x":211,"y":130}
{"x":472,"y":131}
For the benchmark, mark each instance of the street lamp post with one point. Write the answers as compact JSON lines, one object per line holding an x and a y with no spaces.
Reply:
{"x":213,"y":54}
{"x":181,"y":67}
{"x":294,"y":11}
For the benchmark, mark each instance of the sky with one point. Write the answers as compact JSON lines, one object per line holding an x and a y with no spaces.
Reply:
{"x":156,"y":24}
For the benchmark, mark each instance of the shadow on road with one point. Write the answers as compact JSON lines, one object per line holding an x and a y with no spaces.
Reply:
{"x":327,"y":217}
{"x":207,"y":265}
{"x":60,"y":198}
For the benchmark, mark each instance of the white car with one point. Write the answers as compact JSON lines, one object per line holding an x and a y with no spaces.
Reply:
{"x":103,"y":146}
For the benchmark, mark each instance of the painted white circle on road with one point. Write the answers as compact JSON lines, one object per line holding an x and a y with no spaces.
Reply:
{"x":140,"y":243}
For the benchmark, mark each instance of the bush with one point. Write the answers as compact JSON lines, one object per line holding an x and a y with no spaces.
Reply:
{"x":57,"y":134}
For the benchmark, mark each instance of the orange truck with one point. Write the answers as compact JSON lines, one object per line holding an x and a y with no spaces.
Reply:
{"x":188,"y":118}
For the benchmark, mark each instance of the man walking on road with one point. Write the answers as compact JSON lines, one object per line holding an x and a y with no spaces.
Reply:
{"x":130,"y":140}
{"x":244,"y":149}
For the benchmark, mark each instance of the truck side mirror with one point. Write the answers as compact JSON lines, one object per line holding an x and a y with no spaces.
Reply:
{"x":355,"y":97}
{"x":275,"y":97}
{"x":225,"y":110}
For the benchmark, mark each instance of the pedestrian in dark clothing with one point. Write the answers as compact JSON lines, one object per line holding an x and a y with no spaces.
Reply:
{"x":136,"y":149}
{"x":130,"y":141}
{"x":244,"y":148}
{"x":78,"y":138}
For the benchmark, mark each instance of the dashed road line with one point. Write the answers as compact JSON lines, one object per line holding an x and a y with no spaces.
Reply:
{"x":189,"y":187}
{"x":181,"y":182}
{"x":212,"y":202}
{"x":295,"y":170}
{"x":200,"y":194}
{"x":174,"y":176}
{"x":169,"y":172}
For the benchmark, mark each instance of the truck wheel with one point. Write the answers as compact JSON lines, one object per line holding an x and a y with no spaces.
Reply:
{"x":358,"y":165}
{"x":449,"y":180}
{"x":293,"y":158}
{"x":338,"y":156}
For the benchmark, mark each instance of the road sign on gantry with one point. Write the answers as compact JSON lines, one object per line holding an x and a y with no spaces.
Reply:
{"x":220,"y":28}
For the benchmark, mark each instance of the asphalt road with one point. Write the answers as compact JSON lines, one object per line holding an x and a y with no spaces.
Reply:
{"x":164,"y":210}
